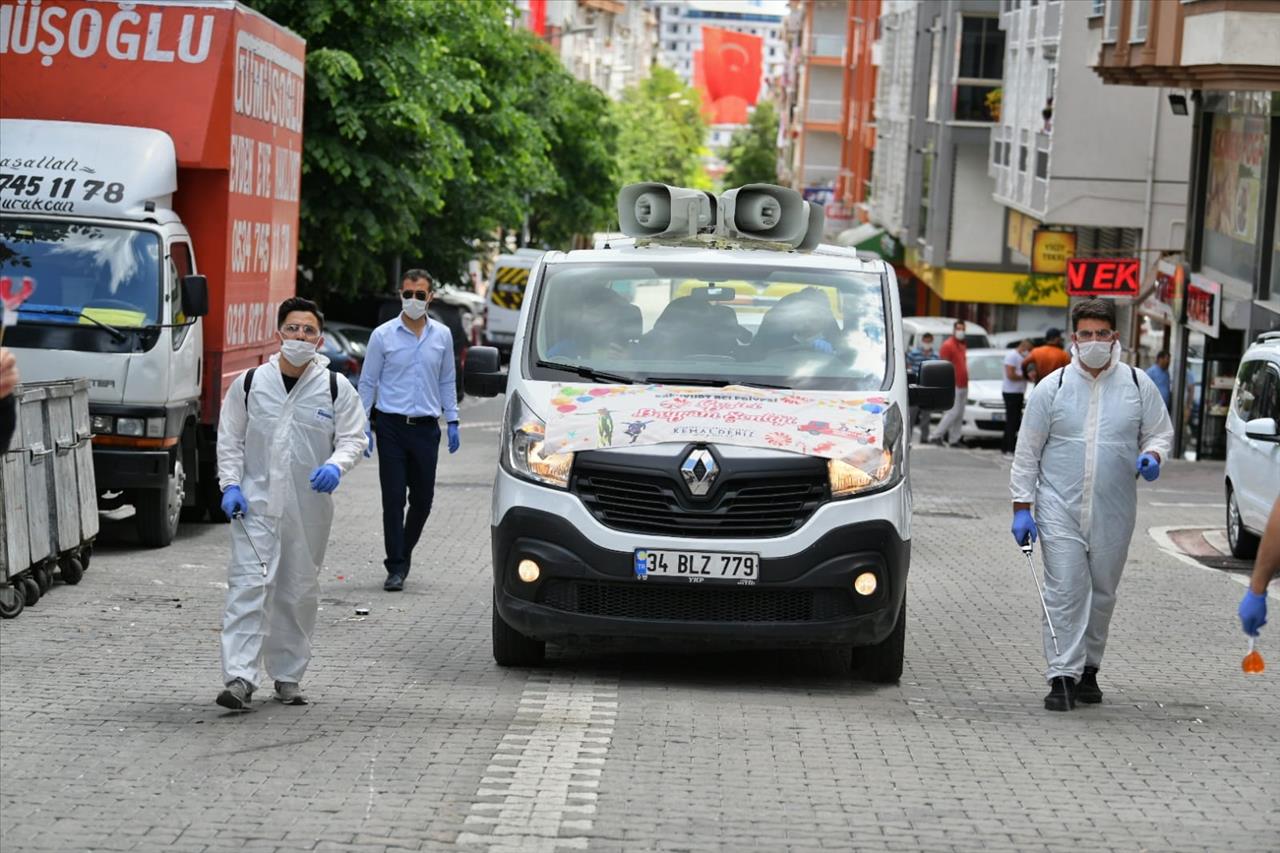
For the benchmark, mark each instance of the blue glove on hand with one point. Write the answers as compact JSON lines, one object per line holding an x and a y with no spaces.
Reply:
{"x":822,"y":346}
{"x":1148,"y":467}
{"x":1253,"y":612}
{"x":455,"y":441}
{"x":368,"y":433}
{"x":1024,"y":527}
{"x":325,"y":478}
{"x":233,"y":502}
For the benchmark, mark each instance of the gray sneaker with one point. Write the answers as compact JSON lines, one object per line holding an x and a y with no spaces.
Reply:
{"x":236,"y":695}
{"x":290,"y":693}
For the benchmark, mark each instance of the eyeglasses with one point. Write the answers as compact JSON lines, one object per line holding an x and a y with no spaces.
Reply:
{"x":424,"y":295}
{"x":308,"y":332}
{"x":1103,"y":335}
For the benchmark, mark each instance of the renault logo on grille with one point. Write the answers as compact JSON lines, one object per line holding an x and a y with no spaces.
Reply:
{"x":699,"y":470}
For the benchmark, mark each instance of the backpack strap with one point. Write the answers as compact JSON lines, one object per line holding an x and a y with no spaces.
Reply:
{"x":333,"y":386}
{"x":248,"y":383}
{"x":1133,"y":373}
{"x":1062,"y":371}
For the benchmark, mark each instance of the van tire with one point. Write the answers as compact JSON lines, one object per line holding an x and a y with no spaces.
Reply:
{"x":882,"y":663}
{"x":511,"y":648}
{"x":1244,"y":545}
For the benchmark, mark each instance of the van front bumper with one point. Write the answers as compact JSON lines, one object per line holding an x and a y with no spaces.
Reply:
{"x":587,"y":591}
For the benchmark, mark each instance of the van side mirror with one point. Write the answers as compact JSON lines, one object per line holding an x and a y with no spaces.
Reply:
{"x":1263,"y":429}
{"x":195,"y":295}
{"x":482,"y":374}
{"x":935,"y":388}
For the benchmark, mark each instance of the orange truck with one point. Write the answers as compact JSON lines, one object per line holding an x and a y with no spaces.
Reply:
{"x":150,"y":163}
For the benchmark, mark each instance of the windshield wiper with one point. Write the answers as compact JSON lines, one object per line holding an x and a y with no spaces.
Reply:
{"x":588,"y":373}
{"x":115,"y":333}
{"x":710,"y":382}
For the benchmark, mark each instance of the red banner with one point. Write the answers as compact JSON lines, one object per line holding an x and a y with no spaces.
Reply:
{"x":538,"y":17}
{"x":1103,"y":276}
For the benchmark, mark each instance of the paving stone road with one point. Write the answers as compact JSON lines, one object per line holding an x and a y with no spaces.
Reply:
{"x":109,"y":738}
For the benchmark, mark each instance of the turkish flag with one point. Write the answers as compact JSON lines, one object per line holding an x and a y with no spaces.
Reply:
{"x":538,"y":17}
{"x":731,"y":63}
{"x":729,"y":110}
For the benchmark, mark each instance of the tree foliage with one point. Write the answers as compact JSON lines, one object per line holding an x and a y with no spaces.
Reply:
{"x":753,"y":150}
{"x":660,"y":132}
{"x":429,"y":126}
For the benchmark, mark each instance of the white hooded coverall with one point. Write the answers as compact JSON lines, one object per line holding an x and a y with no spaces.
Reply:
{"x":270,"y":451}
{"x":1075,"y":462}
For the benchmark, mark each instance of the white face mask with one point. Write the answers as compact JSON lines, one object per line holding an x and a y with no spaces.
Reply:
{"x":297,"y":353}
{"x":1095,"y":354}
{"x":959,"y":336}
{"x":414,"y":309}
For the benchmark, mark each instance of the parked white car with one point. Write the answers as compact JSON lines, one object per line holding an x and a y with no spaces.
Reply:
{"x":984,"y":410}
{"x":1253,"y":445}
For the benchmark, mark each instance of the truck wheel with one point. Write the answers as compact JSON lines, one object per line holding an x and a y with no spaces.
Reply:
{"x":511,"y":648}
{"x":158,"y":510}
{"x":1244,"y":545}
{"x":882,"y":663}
{"x":30,"y":591}
{"x":71,"y":570}
{"x":11,"y":602}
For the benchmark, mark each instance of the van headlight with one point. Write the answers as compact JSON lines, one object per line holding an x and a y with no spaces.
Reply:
{"x":524,"y":452}
{"x":880,"y":468}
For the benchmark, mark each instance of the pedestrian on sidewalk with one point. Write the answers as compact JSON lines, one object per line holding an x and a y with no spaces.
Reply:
{"x":1046,"y":358}
{"x":1159,"y":373}
{"x":1253,"y":607}
{"x":1013,"y":386}
{"x":408,"y":382}
{"x":915,"y":358}
{"x":955,"y":351}
{"x":1089,"y":430}
{"x":289,"y":430}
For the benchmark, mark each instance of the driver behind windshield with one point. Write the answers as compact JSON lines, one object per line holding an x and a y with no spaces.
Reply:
{"x":801,"y":321}
{"x":594,"y":323}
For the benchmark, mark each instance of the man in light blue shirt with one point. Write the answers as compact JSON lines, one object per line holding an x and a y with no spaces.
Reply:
{"x":407,"y":383}
{"x":1159,"y":373}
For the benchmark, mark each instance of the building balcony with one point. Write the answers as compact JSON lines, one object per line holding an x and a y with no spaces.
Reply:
{"x":826,"y":48}
{"x":818,"y":111}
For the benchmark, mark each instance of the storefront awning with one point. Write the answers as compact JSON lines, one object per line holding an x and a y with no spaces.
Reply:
{"x":869,"y":237}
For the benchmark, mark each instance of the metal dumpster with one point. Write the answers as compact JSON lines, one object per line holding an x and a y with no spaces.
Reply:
{"x":48,"y":499}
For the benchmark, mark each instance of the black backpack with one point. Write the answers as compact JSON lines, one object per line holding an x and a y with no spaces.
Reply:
{"x":248,"y":383}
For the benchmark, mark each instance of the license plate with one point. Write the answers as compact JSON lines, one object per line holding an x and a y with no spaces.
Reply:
{"x":697,"y":566}
{"x":998,"y":417}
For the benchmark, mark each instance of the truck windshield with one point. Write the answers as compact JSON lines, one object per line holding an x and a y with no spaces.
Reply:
{"x":711,"y":324}
{"x":84,"y":272}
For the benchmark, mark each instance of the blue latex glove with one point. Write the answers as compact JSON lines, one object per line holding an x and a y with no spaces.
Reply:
{"x":1148,"y":467}
{"x":1024,"y":527}
{"x":325,"y":478}
{"x":455,"y":440}
{"x":822,"y":346}
{"x":233,"y":502}
{"x":368,"y":433}
{"x":1253,"y":612}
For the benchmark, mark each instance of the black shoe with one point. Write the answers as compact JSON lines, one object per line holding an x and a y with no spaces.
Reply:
{"x":1087,"y":691}
{"x":236,"y":695}
{"x":394,"y":583}
{"x":1061,"y":694}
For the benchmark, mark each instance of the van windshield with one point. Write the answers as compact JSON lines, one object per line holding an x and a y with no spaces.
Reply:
{"x":84,"y":272}
{"x":711,"y":324}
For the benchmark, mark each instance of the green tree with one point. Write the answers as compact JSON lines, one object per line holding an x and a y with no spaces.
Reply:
{"x":660,"y":131}
{"x":752,"y":154}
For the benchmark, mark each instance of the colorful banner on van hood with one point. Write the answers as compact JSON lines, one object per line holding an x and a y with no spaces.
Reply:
{"x":844,"y":426}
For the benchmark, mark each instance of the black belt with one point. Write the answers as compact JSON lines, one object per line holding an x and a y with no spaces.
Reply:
{"x":408,"y":420}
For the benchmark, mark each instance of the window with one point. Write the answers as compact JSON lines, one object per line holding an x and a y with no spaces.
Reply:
{"x":979,"y":68}
{"x":1139,"y":11}
{"x":1096,"y":8}
{"x":1042,"y":164}
{"x":926,"y":180}
{"x":179,"y":267}
{"x":1111,"y":21}
{"x":1022,"y":158}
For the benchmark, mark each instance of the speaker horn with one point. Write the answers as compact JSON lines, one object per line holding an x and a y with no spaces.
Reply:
{"x":813,"y":234}
{"x":764,"y":212}
{"x":656,"y":210}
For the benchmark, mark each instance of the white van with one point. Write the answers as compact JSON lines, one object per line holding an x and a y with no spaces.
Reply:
{"x":506,"y":295}
{"x":1253,"y":445}
{"x":703,"y":440}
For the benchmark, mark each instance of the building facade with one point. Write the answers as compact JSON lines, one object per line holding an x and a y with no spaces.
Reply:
{"x":608,"y":43}
{"x":1108,"y":165}
{"x":1219,"y":60}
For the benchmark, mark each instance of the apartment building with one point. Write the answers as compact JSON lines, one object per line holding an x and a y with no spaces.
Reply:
{"x":608,"y":43}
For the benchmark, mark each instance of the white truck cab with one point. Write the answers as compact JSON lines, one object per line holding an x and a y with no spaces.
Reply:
{"x":703,"y":440}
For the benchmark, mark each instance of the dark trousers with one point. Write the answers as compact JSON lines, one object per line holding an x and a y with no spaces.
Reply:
{"x":407,"y":456}
{"x":1012,"y":421}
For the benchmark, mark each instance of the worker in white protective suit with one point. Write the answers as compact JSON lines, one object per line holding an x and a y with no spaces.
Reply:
{"x":1089,"y":430}
{"x":288,"y":432}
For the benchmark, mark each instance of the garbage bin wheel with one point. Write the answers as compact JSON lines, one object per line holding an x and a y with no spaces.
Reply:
{"x":86,"y":554}
{"x":71,"y":570}
{"x":30,"y":591}
{"x":44,"y":577}
{"x":11,"y":602}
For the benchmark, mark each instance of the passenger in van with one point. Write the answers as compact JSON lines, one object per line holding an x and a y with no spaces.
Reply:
{"x":695,"y":325}
{"x":800,"y":321}
{"x":597,"y":323}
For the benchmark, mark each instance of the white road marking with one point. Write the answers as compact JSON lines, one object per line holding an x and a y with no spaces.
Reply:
{"x":538,"y":793}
